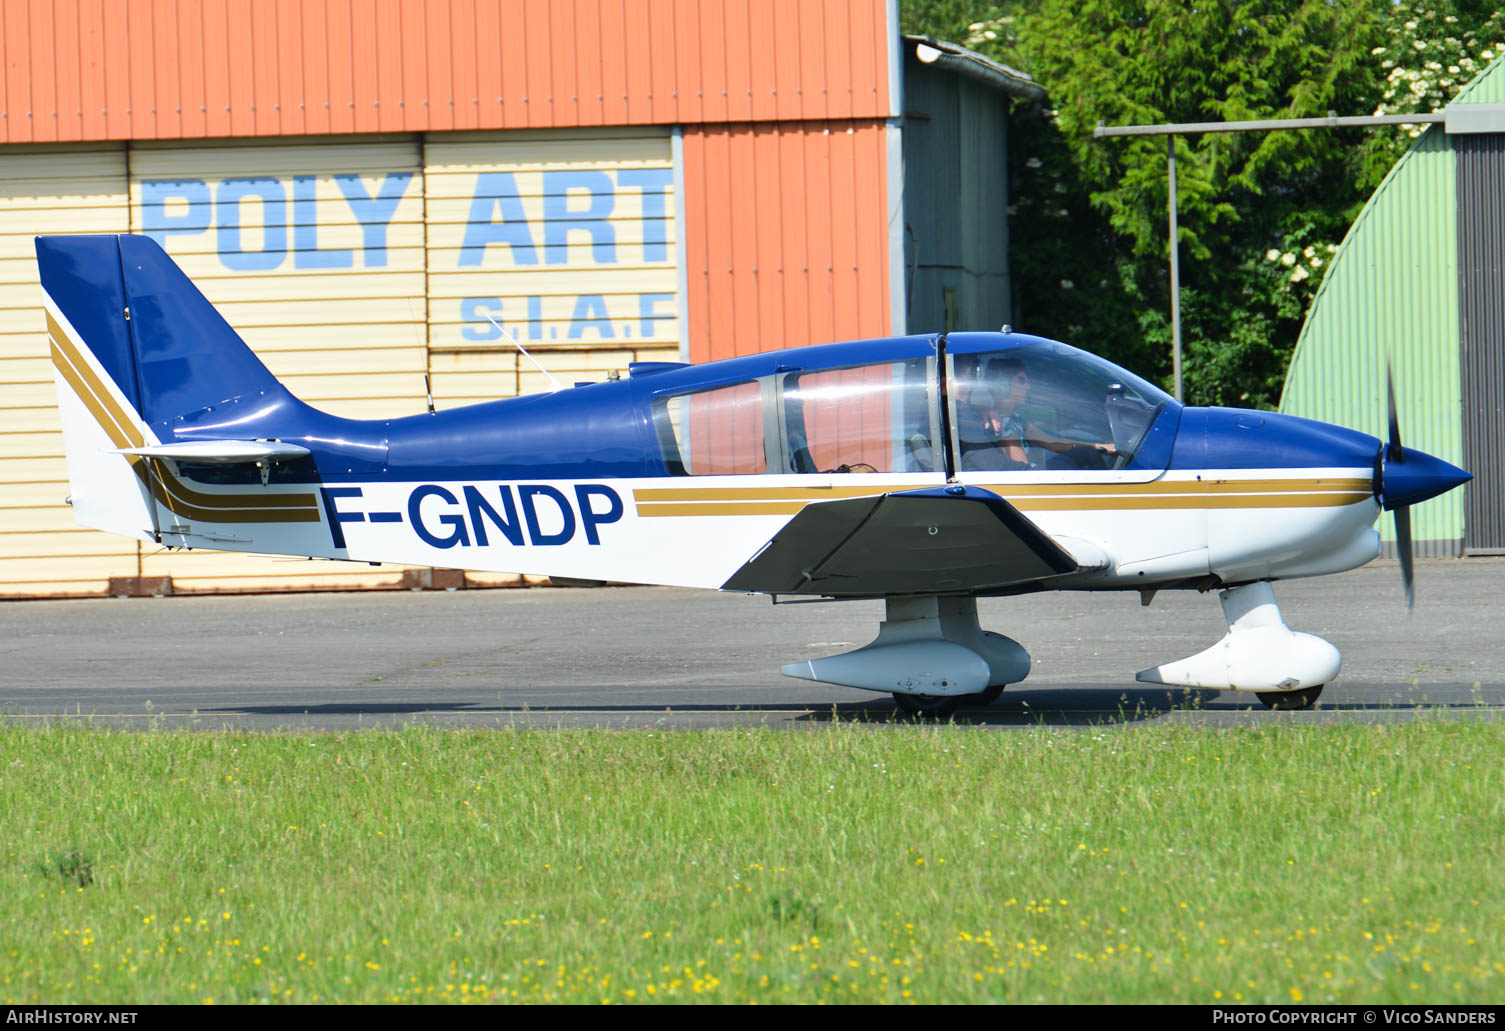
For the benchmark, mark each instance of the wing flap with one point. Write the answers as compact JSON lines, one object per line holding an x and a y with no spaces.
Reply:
{"x":933,"y":541}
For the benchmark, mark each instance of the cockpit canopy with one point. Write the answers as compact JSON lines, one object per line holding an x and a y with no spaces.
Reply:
{"x":1007,"y":403}
{"x":1045,"y":405}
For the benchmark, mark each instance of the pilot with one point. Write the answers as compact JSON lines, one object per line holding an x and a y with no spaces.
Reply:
{"x":988,"y":425}
{"x":992,"y":429}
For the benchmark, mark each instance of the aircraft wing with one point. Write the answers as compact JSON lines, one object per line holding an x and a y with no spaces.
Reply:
{"x":932,"y":541}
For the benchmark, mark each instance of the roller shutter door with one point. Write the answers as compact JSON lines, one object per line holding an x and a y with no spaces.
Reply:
{"x":567,"y":239}
{"x":313,"y":250}
{"x":59,"y":189}
{"x":352,"y":265}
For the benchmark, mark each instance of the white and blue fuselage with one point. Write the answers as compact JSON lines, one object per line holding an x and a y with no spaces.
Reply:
{"x":907,"y":468}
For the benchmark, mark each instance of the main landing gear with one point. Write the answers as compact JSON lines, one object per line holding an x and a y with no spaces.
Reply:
{"x":934,"y":658}
{"x":1285,"y":669}
{"x":938,"y":707}
{"x":931,"y":654}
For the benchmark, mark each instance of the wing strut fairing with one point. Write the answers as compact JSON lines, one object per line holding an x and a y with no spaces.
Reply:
{"x":937,"y":540}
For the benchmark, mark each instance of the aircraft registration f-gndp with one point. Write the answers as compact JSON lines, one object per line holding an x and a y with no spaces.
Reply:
{"x":926,"y":470}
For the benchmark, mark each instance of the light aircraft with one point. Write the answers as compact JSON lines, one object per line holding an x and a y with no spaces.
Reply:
{"x":927,"y":471}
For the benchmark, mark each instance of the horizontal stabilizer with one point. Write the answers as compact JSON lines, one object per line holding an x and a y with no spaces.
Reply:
{"x":933,"y":541}
{"x":220,"y":451}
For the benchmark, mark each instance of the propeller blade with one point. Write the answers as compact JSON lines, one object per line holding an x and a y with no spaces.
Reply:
{"x":1393,"y":452}
{"x":1403,"y":552}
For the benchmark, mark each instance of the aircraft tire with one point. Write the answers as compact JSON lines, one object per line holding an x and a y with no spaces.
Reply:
{"x":929,"y":706}
{"x":987,"y":696}
{"x":941,"y":706}
{"x":1290,"y":701}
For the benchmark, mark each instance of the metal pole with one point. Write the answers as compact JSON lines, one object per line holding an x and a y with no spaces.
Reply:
{"x":1171,"y":129}
{"x":1332,"y":121}
{"x":1170,"y":152}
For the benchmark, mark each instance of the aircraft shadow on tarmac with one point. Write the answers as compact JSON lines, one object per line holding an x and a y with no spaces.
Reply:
{"x":1069,"y":706}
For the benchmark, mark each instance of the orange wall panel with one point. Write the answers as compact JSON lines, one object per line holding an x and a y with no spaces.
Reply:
{"x":191,"y":116}
{"x":43,"y":98}
{"x":69,"y":101}
{"x":452,"y":64}
{"x":183,"y":69}
{"x":487,"y":24}
{"x":390,"y":51}
{"x":785,"y":239}
{"x":239,"y":25}
{"x":538,"y":88}
{"x":90,"y":73}
{"x":216,"y":84}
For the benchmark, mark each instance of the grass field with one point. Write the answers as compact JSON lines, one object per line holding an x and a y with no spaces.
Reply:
{"x":914,"y":864}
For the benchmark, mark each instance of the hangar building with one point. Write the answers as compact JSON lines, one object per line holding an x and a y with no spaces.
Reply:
{"x":371,"y":189}
{"x":1419,"y":281}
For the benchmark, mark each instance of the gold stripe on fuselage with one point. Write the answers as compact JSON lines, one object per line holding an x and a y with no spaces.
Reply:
{"x":821,"y":492}
{"x":1319,"y":492}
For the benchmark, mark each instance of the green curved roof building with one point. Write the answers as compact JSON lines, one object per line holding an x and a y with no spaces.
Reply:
{"x":1419,"y":282}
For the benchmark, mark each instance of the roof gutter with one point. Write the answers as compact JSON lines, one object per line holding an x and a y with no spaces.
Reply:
{"x":972,"y":65}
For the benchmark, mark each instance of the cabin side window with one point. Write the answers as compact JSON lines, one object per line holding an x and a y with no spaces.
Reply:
{"x":879,"y":418}
{"x":713,"y":432}
{"x":865,"y":419}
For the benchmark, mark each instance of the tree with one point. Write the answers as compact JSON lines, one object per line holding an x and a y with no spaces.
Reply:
{"x":1260,"y":213}
{"x":1427,"y":53}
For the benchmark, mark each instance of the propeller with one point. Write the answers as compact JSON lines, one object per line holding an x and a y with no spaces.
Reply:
{"x":1396,"y":454}
{"x":1405,"y":477}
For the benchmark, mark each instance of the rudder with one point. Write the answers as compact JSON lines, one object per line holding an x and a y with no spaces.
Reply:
{"x":94,"y":366}
{"x":138,"y":352}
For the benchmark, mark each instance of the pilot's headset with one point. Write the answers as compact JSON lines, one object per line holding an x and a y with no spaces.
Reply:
{"x":998,"y":383}
{"x":969,"y":369}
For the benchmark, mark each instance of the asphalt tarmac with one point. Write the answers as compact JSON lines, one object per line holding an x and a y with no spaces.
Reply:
{"x":669,"y":658}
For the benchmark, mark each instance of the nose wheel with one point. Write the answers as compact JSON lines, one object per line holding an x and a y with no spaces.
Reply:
{"x":1291,"y":701}
{"x":1259,"y":653}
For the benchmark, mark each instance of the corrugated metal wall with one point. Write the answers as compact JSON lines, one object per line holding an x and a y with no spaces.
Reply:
{"x":1481,"y":255}
{"x":73,"y":189}
{"x":353,"y":266}
{"x":1395,"y":289}
{"x":1392,"y":292}
{"x":786,"y":240}
{"x":387,"y":254}
{"x":313,"y":249}
{"x":1481,"y":291}
{"x":567,"y":240}
{"x":955,"y":211}
{"x":178,"y":69}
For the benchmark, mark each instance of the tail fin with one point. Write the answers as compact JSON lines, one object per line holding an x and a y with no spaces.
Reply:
{"x":161,"y":341}
{"x":140,"y":355}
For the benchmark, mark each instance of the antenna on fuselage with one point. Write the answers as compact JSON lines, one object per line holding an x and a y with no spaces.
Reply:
{"x":547,"y":374}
